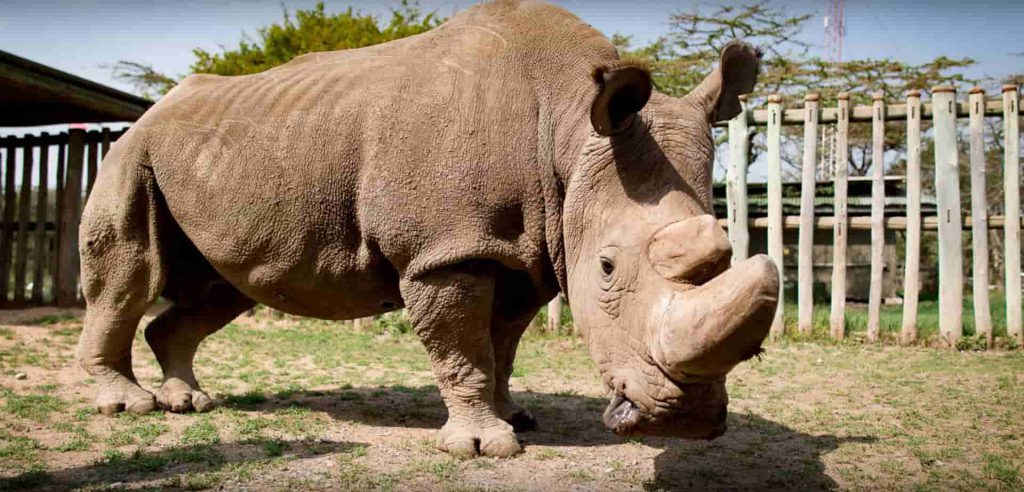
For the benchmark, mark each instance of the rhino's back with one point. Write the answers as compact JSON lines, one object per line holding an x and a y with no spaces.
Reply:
{"x":350,"y":168}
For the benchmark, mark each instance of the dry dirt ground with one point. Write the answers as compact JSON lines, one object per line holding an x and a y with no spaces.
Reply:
{"x":308,"y":405}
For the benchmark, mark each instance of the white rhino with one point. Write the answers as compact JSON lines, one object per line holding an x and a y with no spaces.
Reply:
{"x":467,"y":174}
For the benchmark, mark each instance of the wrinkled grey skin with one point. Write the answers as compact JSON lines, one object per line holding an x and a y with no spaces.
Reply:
{"x":467,"y":174}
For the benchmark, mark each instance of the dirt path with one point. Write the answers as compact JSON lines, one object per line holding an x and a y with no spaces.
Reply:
{"x":308,"y":405}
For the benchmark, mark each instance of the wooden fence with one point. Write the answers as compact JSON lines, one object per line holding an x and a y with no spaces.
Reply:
{"x":39,"y":234}
{"x":944,"y":112}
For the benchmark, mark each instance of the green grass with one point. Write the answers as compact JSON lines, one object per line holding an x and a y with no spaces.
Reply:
{"x":891,"y":318}
{"x":31,"y":407}
{"x":202,"y":432}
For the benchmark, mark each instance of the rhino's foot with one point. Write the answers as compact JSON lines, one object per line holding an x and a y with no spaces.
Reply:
{"x":521,"y":419}
{"x":466,"y":440}
{"x":119,"y":394}
{"x":178,"y":396}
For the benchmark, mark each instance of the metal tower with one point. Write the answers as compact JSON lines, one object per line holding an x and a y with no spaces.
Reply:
{"x":835,"y":30}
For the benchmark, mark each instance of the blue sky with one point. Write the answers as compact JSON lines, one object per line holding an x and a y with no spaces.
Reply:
{"x":85,"y":36}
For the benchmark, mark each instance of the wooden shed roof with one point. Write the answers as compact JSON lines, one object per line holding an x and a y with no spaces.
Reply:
{"x":35,"y":94}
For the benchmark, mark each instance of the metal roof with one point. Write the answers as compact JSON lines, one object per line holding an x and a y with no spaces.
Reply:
{"x":35,"y":94}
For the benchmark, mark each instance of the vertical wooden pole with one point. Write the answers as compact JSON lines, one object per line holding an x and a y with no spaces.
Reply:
{"x":105,"y":143}
{"x":1011,"y":184}
{"x":62,"y":148}
{"x":24,"y":215}
{"x":736,"y":184}
{"x":979,"y":216}
{"x":805,"y":261}
{"x":7,"y":235}
{"x":947,"y":191}
{"x":360,"y":325}
{"x":837,"y":318}
{"x":912,"y":268}
{"x":775,"y":224}
{"x":555,"y":314}
{"x":94,"y":159}
{"x":42,"y":196}
{"x":70,"y":216}
{"x":877,"y":214}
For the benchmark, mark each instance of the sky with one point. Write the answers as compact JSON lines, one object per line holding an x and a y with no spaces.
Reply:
{"x":85,"y":37}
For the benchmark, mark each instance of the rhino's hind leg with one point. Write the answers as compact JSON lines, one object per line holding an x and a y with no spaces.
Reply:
{"x":175,"y":336}
{"x":122,"y":275}
{"x":451,"y":313}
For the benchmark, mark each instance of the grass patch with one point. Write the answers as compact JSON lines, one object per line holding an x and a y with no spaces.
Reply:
{"x":891,"y":319}
{"x":253,"y":397}
{"x":53,"y":319}
{"x":31,"y":407}
{"x":137,"y":430}
{"x":202,"y":432}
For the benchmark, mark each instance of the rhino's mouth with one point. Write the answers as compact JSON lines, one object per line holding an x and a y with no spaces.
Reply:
{"x":703,"y":420}
{"x":622,"y":415}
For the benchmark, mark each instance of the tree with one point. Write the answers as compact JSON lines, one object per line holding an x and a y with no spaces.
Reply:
{"x":684,"y":56}
{"x":311,"y":31}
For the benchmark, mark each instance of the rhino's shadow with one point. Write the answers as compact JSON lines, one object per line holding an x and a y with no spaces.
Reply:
{"x":755,"y":453}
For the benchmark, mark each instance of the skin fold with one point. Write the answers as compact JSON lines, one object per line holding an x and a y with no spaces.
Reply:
{"x":467,"y":174}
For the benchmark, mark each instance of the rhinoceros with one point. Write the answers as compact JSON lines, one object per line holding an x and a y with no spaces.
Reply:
{"x":468,"y":175}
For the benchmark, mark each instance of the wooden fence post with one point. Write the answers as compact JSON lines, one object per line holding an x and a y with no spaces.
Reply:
{"x":62,"y":149}
{"x":1011,"y":184}
{"x":24,"y":214}
{"x":805,"y":252}
{"x":837,"y":318}
{"x":104,"y":142}
{"x":555,"y":314}
{"x":94,"y":159}
{"x":775,"y":225}
{"x":947,"y":191}
{"x":979,"y":216}
{"x":877,"y":214}
{"x":736,"y":184}
{"x":7,"y":235}
{"x":42,"y":196}
{"x":70,"y":216}
{"x":912,"y":267}
{"x":360,"y":325}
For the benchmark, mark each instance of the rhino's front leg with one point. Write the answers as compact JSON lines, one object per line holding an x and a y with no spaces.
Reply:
{"x":505,"y":334}
{"x":451,"y":312}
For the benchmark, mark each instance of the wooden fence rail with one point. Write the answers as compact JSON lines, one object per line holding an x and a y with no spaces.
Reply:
{"x":42,"y":205}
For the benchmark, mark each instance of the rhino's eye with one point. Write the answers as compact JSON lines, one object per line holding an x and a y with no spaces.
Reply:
{"x":607,"y":267}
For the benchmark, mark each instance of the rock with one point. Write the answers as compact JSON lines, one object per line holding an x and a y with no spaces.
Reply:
{"x":21,"y":376}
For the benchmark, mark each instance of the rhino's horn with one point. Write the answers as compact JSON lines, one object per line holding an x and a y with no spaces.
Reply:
{"x":706,"y":330}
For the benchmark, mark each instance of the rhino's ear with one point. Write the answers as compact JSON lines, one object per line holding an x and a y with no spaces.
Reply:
{"x":623,"y":90}
{"x":736,"y":74}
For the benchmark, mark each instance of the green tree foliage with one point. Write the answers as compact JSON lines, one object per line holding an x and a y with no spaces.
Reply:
{"x":309,"y":31}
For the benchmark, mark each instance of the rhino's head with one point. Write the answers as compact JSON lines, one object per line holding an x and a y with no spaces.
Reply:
{"x":664,"y":315}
